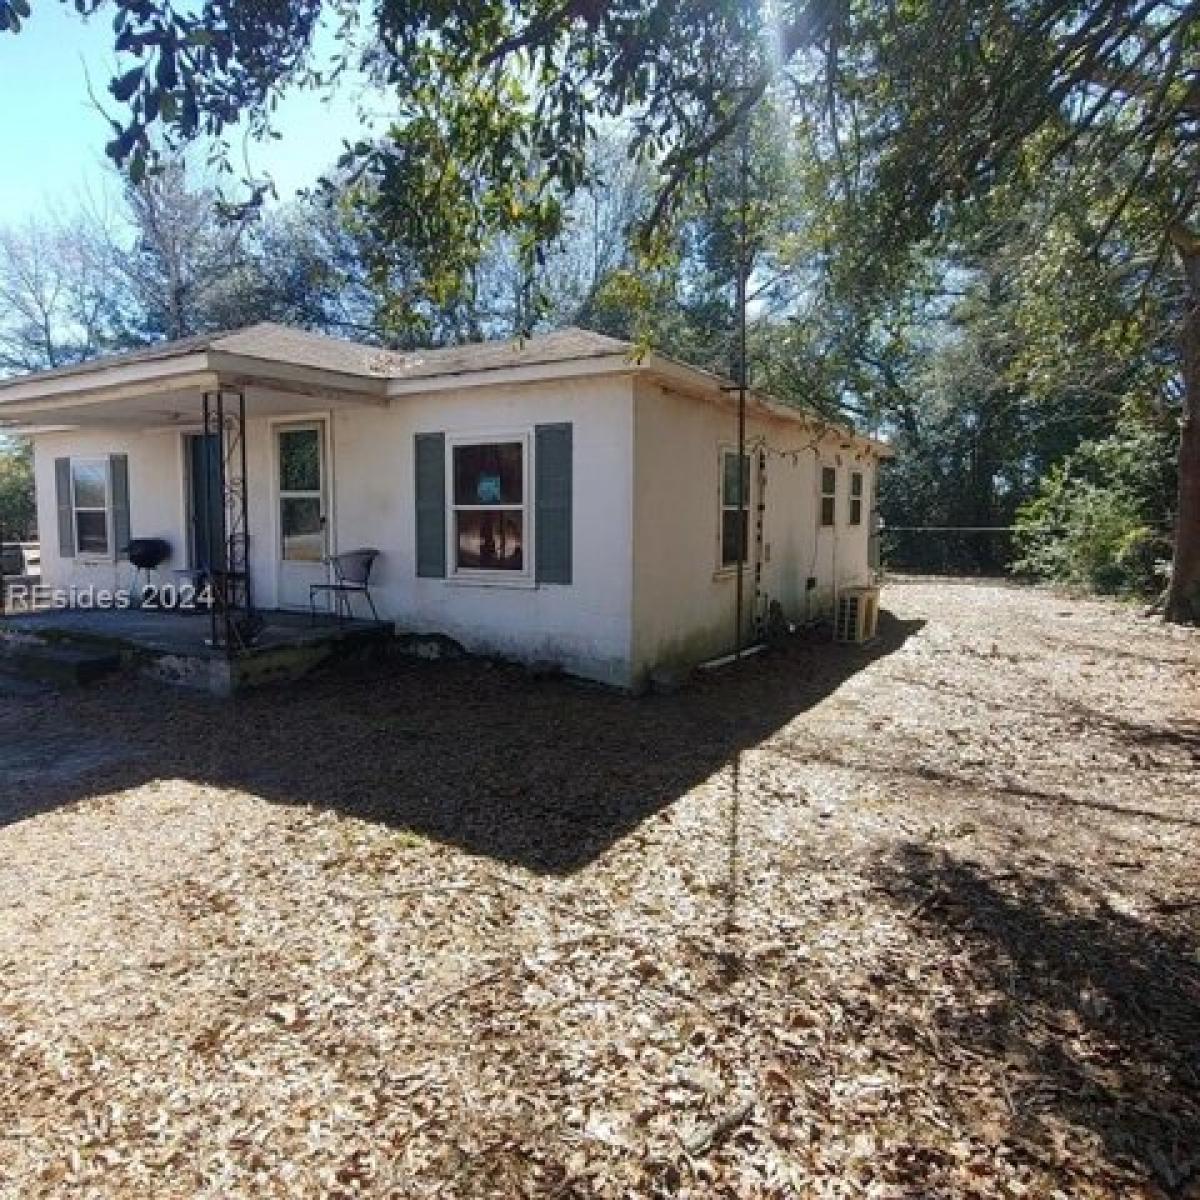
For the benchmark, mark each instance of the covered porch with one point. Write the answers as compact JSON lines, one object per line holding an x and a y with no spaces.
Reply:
{"x":219,"y":455}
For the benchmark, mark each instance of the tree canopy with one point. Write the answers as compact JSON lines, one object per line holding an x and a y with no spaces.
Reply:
{"x":497,"y":102}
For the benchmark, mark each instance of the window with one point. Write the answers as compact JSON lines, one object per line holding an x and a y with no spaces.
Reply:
{"x":302,"y":521}
{"x":828,"y":495}
{"x":489,"y":505}
{"x":90,"y":505}
{"x":856,"y":497}
{"x":735,"y":512}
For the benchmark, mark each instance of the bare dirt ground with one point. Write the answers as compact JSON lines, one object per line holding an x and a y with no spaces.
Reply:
{"x":919,"y":920}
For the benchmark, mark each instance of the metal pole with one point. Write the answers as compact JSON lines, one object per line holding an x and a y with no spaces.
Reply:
{"x":206,"y":475}
{"x":742,"y":366}
{"x":222,"y":489}
{"x":245,"y":506}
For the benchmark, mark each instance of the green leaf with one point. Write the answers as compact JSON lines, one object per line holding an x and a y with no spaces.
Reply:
{"x":124,"y":87}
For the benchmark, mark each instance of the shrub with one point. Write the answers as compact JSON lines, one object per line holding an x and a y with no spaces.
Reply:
{"x":1100,"y":519}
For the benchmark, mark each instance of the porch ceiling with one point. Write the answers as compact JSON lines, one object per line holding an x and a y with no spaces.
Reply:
{"x":172,"y":404}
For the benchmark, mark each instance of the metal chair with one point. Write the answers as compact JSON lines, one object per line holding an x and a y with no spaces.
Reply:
{"x":351,"y":577}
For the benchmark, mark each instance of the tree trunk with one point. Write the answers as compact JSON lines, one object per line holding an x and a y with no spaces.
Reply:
{"x":1183,"y":599}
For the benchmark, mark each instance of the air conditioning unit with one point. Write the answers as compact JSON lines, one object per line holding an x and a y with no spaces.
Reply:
{"x":857,"y":616}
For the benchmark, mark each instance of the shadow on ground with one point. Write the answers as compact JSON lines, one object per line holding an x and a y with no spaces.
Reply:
{"x":1090,"y":1014}
{"x":545,"y":774}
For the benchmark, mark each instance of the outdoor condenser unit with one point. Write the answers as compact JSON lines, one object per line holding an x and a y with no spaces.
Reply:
{"x":857,"y":616}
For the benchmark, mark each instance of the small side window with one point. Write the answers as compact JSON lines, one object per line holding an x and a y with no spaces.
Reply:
{"x":828,"y":495}
{"x":735,"y":512}
{"x":856,"y":497}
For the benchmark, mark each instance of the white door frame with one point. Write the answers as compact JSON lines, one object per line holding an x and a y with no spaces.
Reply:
{"x":324,"y":422}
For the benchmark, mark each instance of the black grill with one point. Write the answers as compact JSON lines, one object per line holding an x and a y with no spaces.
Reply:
{"x":148,"y":553}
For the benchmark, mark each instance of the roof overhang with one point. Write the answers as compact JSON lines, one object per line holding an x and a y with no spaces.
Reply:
{"x":166,"y":392}
{"x":697,"y":381}
{"x":170,"y":391}
{"x":38,"y":396}
{"x":573,"y":368}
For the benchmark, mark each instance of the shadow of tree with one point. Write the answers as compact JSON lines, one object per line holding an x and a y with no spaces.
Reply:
{"x":1180,"y":736}
{"x":966,"y":784}
{"x":1090,"y":1013}
{"x":547,"y":774}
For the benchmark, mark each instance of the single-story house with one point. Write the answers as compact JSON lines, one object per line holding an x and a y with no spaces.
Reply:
{"x":559,"y":499}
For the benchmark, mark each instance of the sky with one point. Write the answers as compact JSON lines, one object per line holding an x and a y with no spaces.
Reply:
{"x":52,"y":138}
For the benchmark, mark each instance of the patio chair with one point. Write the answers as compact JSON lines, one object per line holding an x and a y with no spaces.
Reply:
{"x":351,"y":577}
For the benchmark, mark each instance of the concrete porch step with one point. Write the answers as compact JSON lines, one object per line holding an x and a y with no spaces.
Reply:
{"x":72,"y":665}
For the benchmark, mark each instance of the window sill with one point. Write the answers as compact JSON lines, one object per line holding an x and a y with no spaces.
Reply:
{"x":731,"y":572}
{"x":524,"y":583}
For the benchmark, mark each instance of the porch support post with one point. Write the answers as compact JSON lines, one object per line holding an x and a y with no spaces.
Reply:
{"x":245,"y":500}
{"x":223,"y":489}
{"x":206,"y":476}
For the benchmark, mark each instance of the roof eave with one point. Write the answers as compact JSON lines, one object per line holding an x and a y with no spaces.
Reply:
{"x":96,"y":386}
{"x":617,"y":363}
{"x":679,"y":374}
{"x":206,"y":370}
{"x":248,"y":370}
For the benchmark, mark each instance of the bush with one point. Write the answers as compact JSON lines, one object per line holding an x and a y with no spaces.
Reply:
{"x":18,"y":511}
{"x":1100,"y":519}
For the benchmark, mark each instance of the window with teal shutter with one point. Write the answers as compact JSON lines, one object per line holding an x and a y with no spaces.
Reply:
{"x":429,"y":474}
{"x":66,"y":509}
{"x":554,"y":502}
{"x":118,"y":477}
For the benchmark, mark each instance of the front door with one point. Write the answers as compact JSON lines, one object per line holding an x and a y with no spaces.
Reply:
{"x":302,"y":512}
{"x":206,"y":551}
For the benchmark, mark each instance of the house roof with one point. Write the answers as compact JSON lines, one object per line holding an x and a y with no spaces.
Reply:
{"x":283,"y":344}
{"x":275,"y":350}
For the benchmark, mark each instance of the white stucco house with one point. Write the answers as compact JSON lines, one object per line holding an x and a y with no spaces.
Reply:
{"x":553,"y":500}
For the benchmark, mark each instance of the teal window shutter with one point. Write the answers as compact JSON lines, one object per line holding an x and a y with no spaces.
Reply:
{"x":553,"y":490}
{"x":118,"y":476}
{"x":430,"y":481}
{"x":66,"y":512}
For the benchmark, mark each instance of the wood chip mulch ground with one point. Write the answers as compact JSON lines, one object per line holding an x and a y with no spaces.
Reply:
{"x":914,"y":920}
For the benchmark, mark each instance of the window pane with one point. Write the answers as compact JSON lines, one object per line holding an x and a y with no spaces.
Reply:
{"x":303,"y":534}
{"x":730,"y":496}
{"x":856,"y":483}
{"x":490,"y":541}
{"x":729,"y":535}
{"x":827,"y":510}
{"x":91,"y":532}
{"x":488,"y":474}
{"x":828,"y":480}
{"x":855,"y":511}
{"x":91,"y":486}
{"x":300,"y":460}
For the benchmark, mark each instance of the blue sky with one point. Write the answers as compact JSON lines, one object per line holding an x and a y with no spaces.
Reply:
{"x":52,"y":138}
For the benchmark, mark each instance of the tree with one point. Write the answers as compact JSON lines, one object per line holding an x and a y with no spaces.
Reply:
{"x":18,"y":510}
{"x":298,"y":265}
{"x":937,"y":115}
{"x":184,"y":261}
{"x":913,"y":111}
{"x":56,"y":299}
